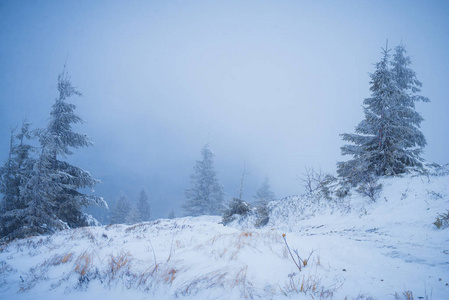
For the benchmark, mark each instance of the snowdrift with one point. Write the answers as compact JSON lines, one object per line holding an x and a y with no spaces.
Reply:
{"x":354,"y":249}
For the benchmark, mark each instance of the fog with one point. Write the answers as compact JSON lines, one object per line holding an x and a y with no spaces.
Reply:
{"x":267,"y":84}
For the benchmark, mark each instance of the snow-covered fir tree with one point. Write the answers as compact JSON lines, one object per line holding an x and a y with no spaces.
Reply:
{"x":57,"y":141}
{"x":48,"y":196}
{"x":61,"y":139}
{"x":205,"y":197}
{"x":121,"y":212}
{"x":9,"y":182}
{"x":13,"y":174}
{"x":143,"y":207}
{"x":412,"y":139}
{"x":387,"y":141}
{"x":264,"y":194}
{"x":33,"y":212}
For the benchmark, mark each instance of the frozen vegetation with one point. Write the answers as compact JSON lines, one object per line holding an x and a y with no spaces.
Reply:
{"x":311,"y":248}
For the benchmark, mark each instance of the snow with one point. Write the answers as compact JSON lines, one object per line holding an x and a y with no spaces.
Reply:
{"x":361,"y":249}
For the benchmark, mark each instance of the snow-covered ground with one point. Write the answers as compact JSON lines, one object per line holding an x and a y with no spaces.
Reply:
{"x":358,"y":249}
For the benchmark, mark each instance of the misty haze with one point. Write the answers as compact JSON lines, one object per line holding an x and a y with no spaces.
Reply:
{"x":224,"y":149}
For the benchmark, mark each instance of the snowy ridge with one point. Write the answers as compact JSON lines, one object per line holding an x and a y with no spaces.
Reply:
{"x":358,"y":250}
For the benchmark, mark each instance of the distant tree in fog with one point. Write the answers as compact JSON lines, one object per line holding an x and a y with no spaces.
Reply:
{"x":205,"y":197}
{"x":121,"y":211}
{"x":171,"y":214}
{"x":143,"y":207}
{"x":264,"y":194}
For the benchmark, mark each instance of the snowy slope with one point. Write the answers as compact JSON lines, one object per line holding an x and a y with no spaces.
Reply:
{"x":360,"y":250}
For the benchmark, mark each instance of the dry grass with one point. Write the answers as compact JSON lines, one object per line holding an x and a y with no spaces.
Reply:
{"x":202,"y":282}
{"x":308,"y":285}
{"x":361,"y":297}
{"x":144,"y":277}
{"x":407,"y":295}
{"x":170,"y":275}
{"x":144,"y":226}
{"x":118,"y":263}
{"x":57,"y":260}
{"x":39,"y":272}
{"x":83,"y":264}
{"x":3,"y":247}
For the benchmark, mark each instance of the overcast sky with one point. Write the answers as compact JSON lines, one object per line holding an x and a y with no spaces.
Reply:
{"x":268,"y":83}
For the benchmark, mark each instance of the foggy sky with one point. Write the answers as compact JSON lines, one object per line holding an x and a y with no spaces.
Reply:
{"x":270,"y":84}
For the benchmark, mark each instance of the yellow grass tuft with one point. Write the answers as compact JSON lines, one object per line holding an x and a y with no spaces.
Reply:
{"x":83,"y":263}
{"x":116,"y":263}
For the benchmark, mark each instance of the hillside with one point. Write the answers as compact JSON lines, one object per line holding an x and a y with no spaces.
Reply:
{"x":358,"y":249}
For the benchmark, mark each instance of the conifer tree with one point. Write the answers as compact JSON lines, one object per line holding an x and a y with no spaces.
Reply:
{"x":133,"y":216}
{"x":43,"y":191}
{"x":13,"y":174}
{"x":9,"y":186}
{"x":16,"y":167}
{"x":205,"y":197}
{"x":387,"y":141}
{"x":121,"y":211}
{"x":264,"y":194}
{"x":59,"y":140}
{"x":143,"y":207}
{"x":171,"y":214}
{"x":411,"y":139}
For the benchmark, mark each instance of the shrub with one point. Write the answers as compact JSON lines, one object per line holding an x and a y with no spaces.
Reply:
{"x":442,"y":221}
{"x":236,"y":208}
{"x":370,"y":188}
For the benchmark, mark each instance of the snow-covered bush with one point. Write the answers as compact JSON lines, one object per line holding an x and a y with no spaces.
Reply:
{"x":370,"y":188}
{"x":442,"y":221}
{"x":237,"y":209}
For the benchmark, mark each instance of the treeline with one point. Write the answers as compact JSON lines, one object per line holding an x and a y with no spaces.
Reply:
{"x":41,"y":191}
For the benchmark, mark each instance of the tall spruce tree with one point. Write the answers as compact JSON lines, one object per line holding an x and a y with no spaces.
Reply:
{"x":60,"y":139}
{"x":387,"y":141}
{"x":412,"y":139}
{"x":205,"y":197}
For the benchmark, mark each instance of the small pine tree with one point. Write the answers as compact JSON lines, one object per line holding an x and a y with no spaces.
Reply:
{"x":143,"y":207}
{"x":264,"y":195}
{"x":121,"y":212}
{"x":206,"y":194}
{"x":171,"y":214}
